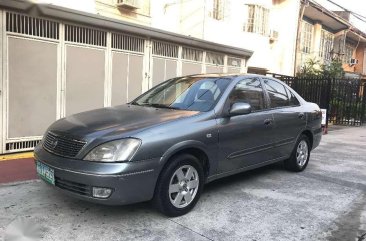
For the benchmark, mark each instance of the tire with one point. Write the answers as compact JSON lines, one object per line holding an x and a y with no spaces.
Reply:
{"x":179,"y":186}
{"x":300,"y":155}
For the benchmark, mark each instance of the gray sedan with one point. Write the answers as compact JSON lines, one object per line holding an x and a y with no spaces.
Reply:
{"x":167,"y":143}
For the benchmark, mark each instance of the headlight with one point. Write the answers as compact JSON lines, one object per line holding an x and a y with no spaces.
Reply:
{"x":114,"y":151}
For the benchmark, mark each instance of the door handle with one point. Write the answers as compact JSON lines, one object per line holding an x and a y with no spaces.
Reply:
{"x":301,"y":115}
{"x":268,"y":122}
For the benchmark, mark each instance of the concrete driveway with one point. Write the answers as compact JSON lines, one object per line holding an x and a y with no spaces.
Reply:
{"x":325,"y":202}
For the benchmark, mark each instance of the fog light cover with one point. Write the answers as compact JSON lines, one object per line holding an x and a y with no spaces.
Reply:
{"x":101,"y":192}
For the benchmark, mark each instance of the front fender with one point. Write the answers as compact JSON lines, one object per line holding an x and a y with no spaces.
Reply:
{"x":211,"y":153}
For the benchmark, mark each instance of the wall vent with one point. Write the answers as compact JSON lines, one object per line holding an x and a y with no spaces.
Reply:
{"x":85,"y":35}
{"x":25,"y":145}
{"x":233,"y":62}
{"x":165,"y":49}
{"x":23,"y":24}
{"x":192,"y":54}
{"x":214,"y":58}
{"x":129,"y":43}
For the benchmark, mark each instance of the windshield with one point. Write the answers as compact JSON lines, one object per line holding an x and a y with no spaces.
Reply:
{"x":185,"y":93}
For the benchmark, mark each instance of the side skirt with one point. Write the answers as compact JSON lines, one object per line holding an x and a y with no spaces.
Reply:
{"x":243,"y":169}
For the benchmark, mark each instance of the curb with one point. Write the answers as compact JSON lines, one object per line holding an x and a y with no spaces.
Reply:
{"x":15,"y":156}
{"x":9,"y":184}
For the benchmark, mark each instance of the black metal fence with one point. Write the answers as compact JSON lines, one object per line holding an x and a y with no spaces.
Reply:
{"x":344,"y":99}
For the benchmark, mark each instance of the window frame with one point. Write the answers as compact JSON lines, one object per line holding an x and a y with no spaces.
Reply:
{"x":286,"y":90}
{"x":306,"y":37}
{"x":266,"y":104}
{"x":257,"y":20}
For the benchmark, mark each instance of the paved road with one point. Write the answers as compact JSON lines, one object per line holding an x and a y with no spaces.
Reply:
{"x":326,"y":202}
{"x":17,"y":170}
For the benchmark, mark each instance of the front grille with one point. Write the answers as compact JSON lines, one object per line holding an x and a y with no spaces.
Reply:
{"x":75,"y":187}
{"x":62,"y":145}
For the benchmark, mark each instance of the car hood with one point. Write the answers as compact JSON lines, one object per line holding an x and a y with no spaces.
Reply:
{"x":116,"y":121}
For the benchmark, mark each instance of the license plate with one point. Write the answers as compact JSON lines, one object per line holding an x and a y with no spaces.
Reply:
{"x":45,"y":172}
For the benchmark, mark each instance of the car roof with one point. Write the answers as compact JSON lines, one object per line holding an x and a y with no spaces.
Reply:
{"x":213,"y":75}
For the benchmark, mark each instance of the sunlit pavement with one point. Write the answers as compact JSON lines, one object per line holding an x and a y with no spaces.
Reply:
{"x":326,"y":202}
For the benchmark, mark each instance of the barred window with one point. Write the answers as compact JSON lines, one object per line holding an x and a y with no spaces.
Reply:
{"x":125,"y":42}
{"x":326,"y":45}
{"x":234,"y":62}
{"x":192,"y":54}
{"x":257,"y":20}
{"x":306,"y":37}
{"x":85,"y":35}
{"x":214,"y":58}
{"x":165,"y":49}
{"x":24,"y":24}
{"x":218,"y":9}
{"x":348,"y":54}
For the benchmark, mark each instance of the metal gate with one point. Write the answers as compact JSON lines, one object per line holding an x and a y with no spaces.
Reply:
{"x":52,"y":69}
{"x":35,"y":91}
{"x":128,"y":68}
{"x":344,"y":99}
{"x":164,"y":61}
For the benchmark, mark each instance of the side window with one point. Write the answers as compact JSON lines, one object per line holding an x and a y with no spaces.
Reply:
{"x":292,"y":98}
{"x":249,"y":91}
{"x":277,"y":93}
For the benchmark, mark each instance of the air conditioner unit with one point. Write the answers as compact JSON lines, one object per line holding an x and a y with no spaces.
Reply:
{"x":273,"y":35}
{"x":353,"y":61}
{"x":128,"y":4}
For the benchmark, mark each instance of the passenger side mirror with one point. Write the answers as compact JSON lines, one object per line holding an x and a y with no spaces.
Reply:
{"x":240,"y":108}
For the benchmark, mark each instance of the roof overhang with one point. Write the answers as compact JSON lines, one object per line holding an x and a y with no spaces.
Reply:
{"x":332,"y":21}
{"x":70,"y":15}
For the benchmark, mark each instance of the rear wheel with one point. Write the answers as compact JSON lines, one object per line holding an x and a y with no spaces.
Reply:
{"x":300,"y":155}
{"x":179,"y":186}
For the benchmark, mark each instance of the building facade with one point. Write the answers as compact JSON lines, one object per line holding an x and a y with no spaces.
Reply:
{"x":325,"y":36}
{"x":257,"y":25}
{"x":56,"y":61}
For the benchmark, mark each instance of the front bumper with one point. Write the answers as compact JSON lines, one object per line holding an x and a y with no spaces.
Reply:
{"x":131,"y":182}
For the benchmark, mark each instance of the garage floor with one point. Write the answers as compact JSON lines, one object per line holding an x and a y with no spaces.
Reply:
{"x":326,"y":202}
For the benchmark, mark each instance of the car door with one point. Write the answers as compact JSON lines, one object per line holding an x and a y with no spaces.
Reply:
{"x":289,"y":118}
{"x":246,"y":140}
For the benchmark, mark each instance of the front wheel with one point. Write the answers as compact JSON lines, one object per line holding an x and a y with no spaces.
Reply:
{"x":299,"y":158}
{"x":179,"y":186}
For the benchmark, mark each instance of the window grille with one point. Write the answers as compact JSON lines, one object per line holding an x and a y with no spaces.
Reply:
{"x":348,"y":54}
{"x":21,"y":145}
{"x":23,"y":24}
{"x":125,"y":42}
{"x":218,"y":9}
{"x":192,"y":54}
{"x":257,"y":20}
{"x":165,"y":49}
{"x":85,"y":35}
{"x":326,"y":45}
{"x":214,"y":58}
{"x":306,"y":37}
{"x":234,"y":62}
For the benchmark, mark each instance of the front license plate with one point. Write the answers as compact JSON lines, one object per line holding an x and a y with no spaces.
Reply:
{"x":45,"y":172}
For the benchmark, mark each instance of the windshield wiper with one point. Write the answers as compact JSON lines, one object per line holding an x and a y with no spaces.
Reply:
{"x":159,"y":106}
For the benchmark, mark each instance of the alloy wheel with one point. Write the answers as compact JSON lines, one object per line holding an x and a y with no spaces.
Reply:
{"x":183,"y":186}
{"x":302,"y":153}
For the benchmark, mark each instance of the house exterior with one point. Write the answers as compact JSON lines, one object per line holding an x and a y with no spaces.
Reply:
{"x":325,"y":35}
{"x":257,"y":25}
{"x":57,"y":61}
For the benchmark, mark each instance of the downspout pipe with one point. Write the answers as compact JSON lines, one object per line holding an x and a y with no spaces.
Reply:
{"x":303,"y":4}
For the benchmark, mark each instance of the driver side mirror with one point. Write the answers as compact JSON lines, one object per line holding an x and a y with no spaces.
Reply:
{"x":240,"y":108}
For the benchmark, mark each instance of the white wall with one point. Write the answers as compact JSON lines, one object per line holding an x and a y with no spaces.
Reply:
{"x":191,"y":18}
{"x":81,"y":5}
{"x":277,"y":56}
